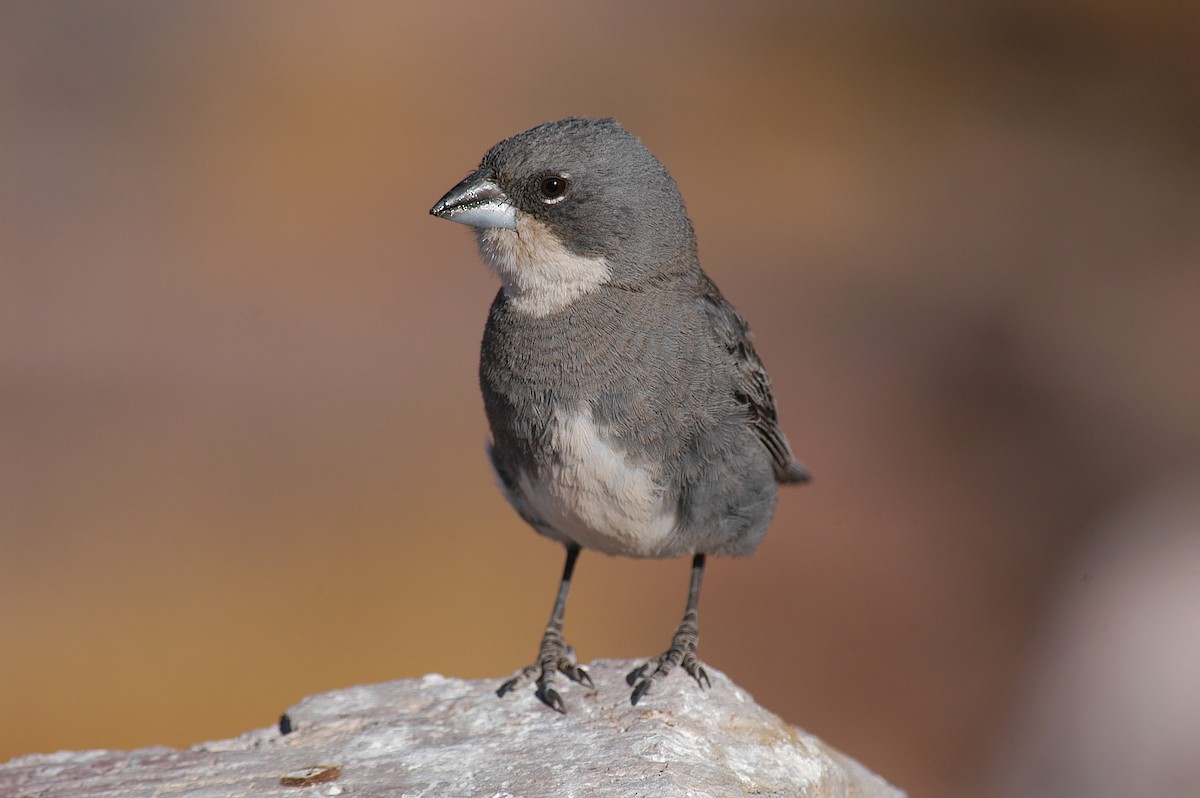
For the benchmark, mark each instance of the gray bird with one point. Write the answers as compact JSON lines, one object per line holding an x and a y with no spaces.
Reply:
{"x":629,"y":411}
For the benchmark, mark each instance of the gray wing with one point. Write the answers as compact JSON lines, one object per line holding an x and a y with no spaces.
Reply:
{"x":753,"y":386}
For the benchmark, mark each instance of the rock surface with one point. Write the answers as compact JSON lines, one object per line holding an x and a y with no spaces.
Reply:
{"x":437,"y":736}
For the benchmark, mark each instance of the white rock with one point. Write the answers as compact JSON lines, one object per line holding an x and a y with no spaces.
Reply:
{"x":448,"y":737}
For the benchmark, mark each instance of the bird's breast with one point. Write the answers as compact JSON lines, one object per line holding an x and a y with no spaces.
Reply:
{"x":592,"y":493}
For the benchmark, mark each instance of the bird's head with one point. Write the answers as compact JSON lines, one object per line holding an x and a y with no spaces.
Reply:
{"x":570,"y":205}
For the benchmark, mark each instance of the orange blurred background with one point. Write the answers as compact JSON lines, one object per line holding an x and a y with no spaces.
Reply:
{"x":241,"y":441}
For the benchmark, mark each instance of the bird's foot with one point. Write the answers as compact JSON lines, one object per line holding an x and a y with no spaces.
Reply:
{"x":682,"y":652}
{"x":555,"y":657}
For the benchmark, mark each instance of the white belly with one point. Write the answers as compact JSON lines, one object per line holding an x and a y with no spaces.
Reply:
{"x":594,"y":495}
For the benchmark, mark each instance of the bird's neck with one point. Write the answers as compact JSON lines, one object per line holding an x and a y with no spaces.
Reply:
{"x":540,"y":275}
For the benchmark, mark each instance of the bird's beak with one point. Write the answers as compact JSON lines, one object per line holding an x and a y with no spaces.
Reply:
{"x":478,"y":202}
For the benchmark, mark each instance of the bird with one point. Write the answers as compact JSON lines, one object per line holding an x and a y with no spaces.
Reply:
{"x":629,"y":412}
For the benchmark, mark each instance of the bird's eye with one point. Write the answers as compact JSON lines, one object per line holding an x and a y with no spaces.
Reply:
{"x":553,"y":188}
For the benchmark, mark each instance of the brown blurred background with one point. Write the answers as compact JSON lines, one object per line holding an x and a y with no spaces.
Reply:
{"x":241,"y":443}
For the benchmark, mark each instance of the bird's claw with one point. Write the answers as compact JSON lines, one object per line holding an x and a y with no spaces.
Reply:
{"x":642,"y":684}
{"x":507,"y":687}
{"x":577,"y":673}
{"x":550,"y":697}
{"x":681,"y":653}
{"x":555,"y":657}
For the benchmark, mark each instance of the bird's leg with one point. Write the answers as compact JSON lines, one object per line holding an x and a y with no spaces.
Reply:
{"x":683,"y":645}
{"x":555,"y":656}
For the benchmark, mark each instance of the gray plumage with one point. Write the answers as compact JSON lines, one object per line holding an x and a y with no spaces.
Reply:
{"x":629,"y":411}
{"x":669,"y":373}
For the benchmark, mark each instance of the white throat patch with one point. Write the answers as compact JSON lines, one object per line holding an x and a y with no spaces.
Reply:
{"x":539,"y":274}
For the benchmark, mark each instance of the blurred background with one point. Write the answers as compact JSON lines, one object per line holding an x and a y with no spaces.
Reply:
{"x":241,"y":441}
